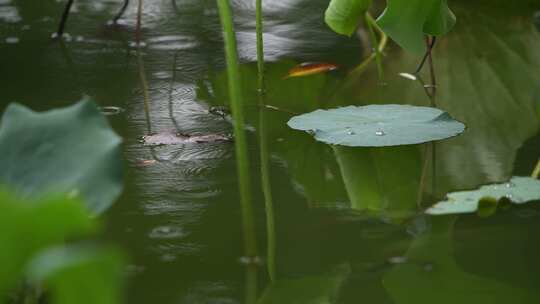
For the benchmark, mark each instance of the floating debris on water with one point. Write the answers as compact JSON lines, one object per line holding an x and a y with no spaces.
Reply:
{"x":166,"y":232}
{"x":174,"y":138}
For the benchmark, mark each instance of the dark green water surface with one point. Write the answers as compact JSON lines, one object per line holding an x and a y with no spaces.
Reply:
{"x":346,"y":225}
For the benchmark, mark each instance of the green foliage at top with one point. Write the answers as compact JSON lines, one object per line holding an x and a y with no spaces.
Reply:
{"x":71,"y":150}
{"x":343,"y":16}
{"x":378,"y":125}
{"x":405,"y":21}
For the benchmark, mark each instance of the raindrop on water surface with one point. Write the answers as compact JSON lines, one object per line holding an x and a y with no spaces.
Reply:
{"x":12,"y":40}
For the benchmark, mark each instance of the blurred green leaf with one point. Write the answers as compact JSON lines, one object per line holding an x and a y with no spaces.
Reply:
{"x":79,"y":274}
{"x":27,"y":227}
{"x":378,"y":125}
{"x":71,"y":150}
{"x":344,"y":16}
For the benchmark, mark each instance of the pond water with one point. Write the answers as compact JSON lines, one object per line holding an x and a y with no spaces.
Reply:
{"x":332,"y":224}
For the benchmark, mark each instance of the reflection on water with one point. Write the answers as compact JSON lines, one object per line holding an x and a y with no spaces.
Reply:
{"x":347,"y":223}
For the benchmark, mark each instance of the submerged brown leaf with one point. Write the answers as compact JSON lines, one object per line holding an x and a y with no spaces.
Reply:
{"x":173,"y":138}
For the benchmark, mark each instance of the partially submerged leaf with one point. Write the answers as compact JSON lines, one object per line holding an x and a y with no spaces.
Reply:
{"x":344,"y":16}
{"x":71,"y":150}
{"x":518,"y":190}
{"x":378,"y":125}
{"x":307,"y":69}
{"x":407,"y":22}
{"x":173,"y":138}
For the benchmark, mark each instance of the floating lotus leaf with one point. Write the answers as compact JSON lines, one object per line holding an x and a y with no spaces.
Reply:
{"x":518,"y":190}
{"x":378,"y":125}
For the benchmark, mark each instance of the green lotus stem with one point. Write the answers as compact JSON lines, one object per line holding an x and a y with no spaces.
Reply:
{"x":378,"y":52}
{"x":267,"y":192}
{"x":536,"y":171}
{"x":240,"y":141}
{"x":121,"y":12}
{"x":139,"y":22}
{"x":251,"y":283}
{"x":422,"y":182}
{"x":260,"y":46}
{"x":144,"y":87}
{"x":427,"y":55}
{"x":63,"y":20}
